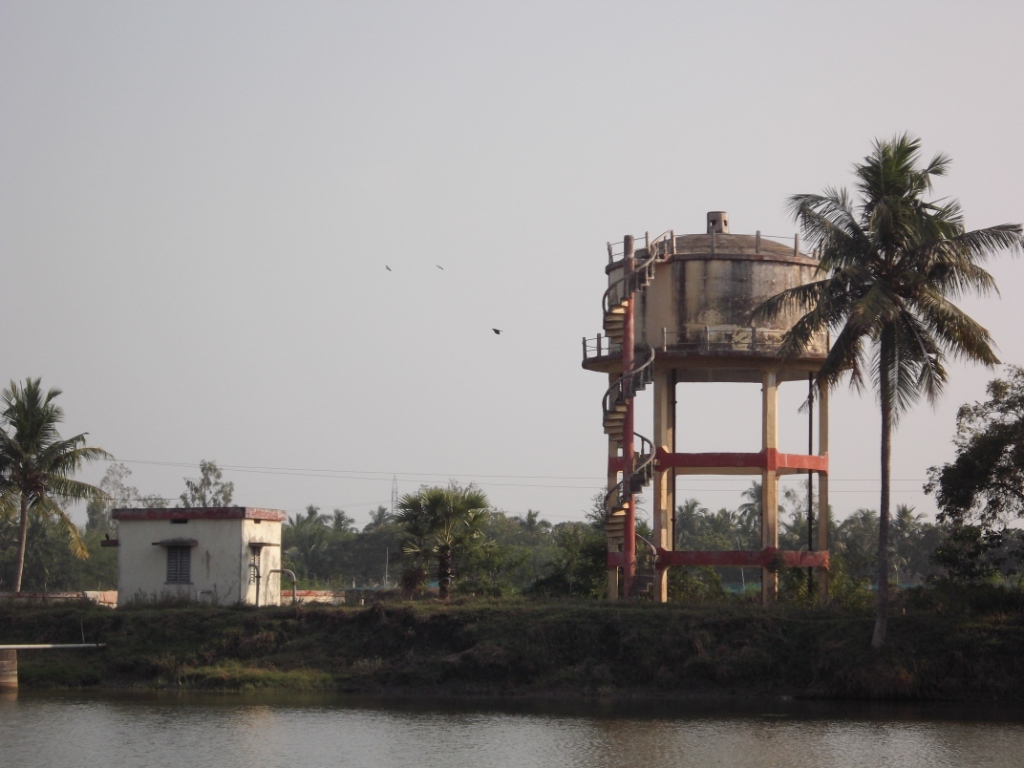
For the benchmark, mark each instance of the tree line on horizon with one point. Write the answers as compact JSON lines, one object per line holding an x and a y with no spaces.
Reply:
{"x":425,"y":548}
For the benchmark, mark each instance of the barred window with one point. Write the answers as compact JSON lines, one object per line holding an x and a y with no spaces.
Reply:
{"x":179,"y":565}
{"x":254,"y":563}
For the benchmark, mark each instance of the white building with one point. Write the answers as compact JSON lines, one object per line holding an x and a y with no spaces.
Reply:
{"x":222,"y":555}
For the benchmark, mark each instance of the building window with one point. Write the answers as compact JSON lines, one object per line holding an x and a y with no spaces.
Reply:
{"x":179,"y":565}
{"x":254,"y":563}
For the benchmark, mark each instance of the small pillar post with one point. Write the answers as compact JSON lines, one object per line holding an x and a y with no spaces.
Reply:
{"x":664,"y":427}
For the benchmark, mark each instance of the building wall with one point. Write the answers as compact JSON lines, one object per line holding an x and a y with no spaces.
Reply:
{"x":262,"y":532}
{"x":219,"y":561}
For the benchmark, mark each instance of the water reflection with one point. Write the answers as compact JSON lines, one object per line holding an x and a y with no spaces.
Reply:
{"x":228,"y":731}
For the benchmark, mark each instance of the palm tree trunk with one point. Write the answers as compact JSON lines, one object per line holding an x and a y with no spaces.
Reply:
{"x":882,"y":614}
{"x":22,"y":541}
{"x":444,"y":573}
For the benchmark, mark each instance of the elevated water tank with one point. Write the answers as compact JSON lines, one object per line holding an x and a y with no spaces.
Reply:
{"x":696,"y":309}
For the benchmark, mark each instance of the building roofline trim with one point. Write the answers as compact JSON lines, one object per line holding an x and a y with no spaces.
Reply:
{"x":201,"y":513}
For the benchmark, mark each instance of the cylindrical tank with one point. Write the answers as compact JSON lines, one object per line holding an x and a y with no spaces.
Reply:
{"x":696,"y":311}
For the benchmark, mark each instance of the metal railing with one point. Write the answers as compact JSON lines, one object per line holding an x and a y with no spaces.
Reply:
{"x":664,"y":245}
{"x":666,"y":240}
{"x":627,"y":385}
{"x":618,"y":497}
{"x":627,"y":283}
{"x":617,"y":251}
{"x":601,"y":346}
{"x":620,"y":289}
{"x":733,"y":338}
{"x":708,"y":339}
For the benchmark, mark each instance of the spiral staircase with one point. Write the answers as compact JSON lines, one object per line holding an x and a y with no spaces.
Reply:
{"x":618,"y":399}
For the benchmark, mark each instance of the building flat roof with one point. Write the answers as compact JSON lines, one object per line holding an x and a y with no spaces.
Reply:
{"x":200,"y":513}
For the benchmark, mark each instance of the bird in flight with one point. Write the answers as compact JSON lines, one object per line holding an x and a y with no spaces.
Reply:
{"x":497,"y":331}
{"x":387,"y":267}
{"x":439,"y":267}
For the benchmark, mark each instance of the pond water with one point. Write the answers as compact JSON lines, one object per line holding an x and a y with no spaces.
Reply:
{"x":47,"y":730}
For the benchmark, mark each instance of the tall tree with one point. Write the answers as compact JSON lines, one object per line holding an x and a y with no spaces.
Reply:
{"x":37,"y":465}
{"x":441,"y":525}
{"x":208,"y":490}
{"x":577,"y":566}
{"x":985,"y":482}
{"x":890,"y":266}
{"x":118,"y":495}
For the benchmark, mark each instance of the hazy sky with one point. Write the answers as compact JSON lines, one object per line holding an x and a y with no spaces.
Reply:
{"x":198,"y":201}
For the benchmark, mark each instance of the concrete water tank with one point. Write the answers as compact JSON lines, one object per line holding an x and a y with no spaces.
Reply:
{"x":697,"y":309}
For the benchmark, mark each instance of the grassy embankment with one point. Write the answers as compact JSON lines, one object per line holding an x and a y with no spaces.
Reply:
{"x":565,"y":648}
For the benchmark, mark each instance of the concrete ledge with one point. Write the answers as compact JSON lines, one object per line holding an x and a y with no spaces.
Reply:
{"x":107,"y":598}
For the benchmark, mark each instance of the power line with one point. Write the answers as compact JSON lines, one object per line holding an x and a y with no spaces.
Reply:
{"x":346,"y":474}
{"x":329,"y":472}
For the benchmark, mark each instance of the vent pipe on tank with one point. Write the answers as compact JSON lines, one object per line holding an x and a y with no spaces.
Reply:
{"x":718,"y":222}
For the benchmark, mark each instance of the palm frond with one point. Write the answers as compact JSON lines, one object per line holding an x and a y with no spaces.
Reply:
{"x":73,"y":490}
{"x":823,"y":215}
{"x":830,"y":225}
{"x":919,"y":363}
{"x":799,"y":298}
{"x":845,"y":356}
{"x":938,"y":166}
{"x":954,"y":279}
{"x":65,"y":526}
{"x":982,"y":244}
{"x":957,"y":334}
{"x":69,"y":456}
{"x":875,"y":308}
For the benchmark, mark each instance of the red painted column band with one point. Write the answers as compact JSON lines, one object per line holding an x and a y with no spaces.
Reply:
{"x":769,"y":459}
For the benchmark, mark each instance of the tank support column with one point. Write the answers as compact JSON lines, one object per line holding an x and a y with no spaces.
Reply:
{"x":769,"y":481}
{"x":823,"y":511}
{"x":664,"y":486}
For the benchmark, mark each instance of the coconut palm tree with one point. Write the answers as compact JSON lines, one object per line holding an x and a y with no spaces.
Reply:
{"x":904,"y":529}
{"x":687,"y":524}
{"x":379,"y":517}
{"x":856,"y":541}
{"x":306,"y":541}
{"x":37,"y":465}
{"x":441,"y":524}
{"x":532,"y":525}
{"x":890,"y":266}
